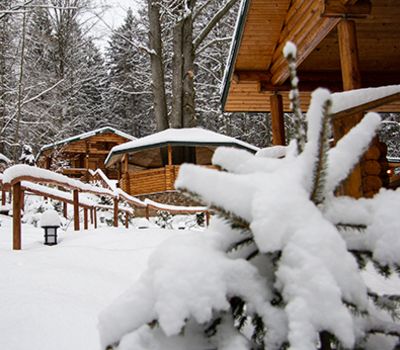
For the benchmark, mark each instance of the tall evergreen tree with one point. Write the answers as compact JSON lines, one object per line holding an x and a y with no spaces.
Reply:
{"x":129,"y":96}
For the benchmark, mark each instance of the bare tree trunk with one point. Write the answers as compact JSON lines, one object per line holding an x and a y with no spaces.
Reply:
{"x":177,"y":77}
{"x":189,"y":115}
{"x":20,"y":88}
{"x":157,"y":66}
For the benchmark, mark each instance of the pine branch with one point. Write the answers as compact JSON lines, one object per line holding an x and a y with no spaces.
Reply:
{"x":239,"y":244}
{"x":294,"y":97}
{"x":238,"y":308}
{"x":235,"y":221}
{"x":259,"y":330}
{"x":320,"y":171}
{"x":351,"y":227}
{"x":389,"y":303}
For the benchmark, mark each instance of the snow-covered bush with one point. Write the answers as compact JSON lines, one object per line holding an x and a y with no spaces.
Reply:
{"x":281,"y":265}
{"x":27,"y":156}
{"x":163,"y":219}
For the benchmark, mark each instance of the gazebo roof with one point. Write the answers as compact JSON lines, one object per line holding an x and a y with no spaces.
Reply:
{"x":177,"y":137}
{"x":256,"y":68}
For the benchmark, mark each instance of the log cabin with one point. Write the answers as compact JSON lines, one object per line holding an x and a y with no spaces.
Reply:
{"x":150,"y":165}
{"x":341,"y":45}
{"x":75,"y":155}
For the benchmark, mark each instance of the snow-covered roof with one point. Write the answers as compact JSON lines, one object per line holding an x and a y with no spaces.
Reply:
{"x":87,"y":135}
{"x":4,"y":159}
{"x":179,"y":137}
{"x":349,"y":100}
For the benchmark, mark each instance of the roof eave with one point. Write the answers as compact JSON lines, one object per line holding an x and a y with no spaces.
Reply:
{"x":175,"y":143}
{"x":237,"y":38}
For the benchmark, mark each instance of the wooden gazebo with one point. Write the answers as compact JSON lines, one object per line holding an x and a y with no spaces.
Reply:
{"x":150,"y":164}
{"x":77,"y":154}
{"x":341,"y":45}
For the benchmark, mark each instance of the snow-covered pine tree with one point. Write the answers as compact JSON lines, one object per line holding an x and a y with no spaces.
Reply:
{"x":282,"y":264}
{"x":129,"y":85}
{"x":27,"y":156}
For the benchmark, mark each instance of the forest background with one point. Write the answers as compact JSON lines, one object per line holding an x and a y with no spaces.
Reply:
{"x":162,"y":67}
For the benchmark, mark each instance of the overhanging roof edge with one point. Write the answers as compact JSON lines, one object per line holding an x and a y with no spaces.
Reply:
{"x":235,"y":44}
{"x":177,"y":143}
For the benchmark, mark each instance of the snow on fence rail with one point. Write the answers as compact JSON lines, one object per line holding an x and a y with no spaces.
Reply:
{"x":21,"y":178}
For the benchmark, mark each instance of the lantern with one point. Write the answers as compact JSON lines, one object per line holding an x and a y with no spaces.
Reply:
{"x":50,"y":221}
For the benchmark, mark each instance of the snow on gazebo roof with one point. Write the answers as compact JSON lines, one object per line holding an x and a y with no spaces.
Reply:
{"x":4,"y":159}
{"x":87,"y":135}
{"x":179,"y":137}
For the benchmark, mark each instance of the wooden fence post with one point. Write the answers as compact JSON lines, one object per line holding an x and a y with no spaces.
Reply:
{"x":76,"y":210}
{"x":126,"y":219}
{"x":85,"y":218}
{"x":22,"y":200}
{"x":115,"y":212}
{"x":65,"y":209}
{"x":17,"y":216}
{"x":91,"y":215}
{"x":207,"y":218}
{"x":95,"y":217}
{"x":3,"y":197}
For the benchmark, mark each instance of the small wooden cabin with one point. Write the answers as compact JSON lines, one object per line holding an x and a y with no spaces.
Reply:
{"x":77,"y":154}
{"x":341,"y":45}
{"x":151,"y":164}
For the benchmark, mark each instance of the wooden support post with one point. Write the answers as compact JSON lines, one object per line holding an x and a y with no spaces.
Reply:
{"x":16,"y":188}
{"x":65,"y":209}
{"x":126,"y":219}
{"x":22,"y":200}
{"x":277,"y":120}
{"x":207,"y":218}
{"x":95,"y":217}
{"x":351,"y":78}
{"x":85,"y":218}
{"x":115,"y":212}
{"x":169,"y":155}
{"x":91,"y":215}
{"x":349,"y":59}
{"x":3,"y":197}
{"x":147,"y":212}
{"x":76,"y":210}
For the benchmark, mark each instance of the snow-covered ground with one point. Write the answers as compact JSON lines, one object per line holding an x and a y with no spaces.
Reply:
{"x":50,"y":297}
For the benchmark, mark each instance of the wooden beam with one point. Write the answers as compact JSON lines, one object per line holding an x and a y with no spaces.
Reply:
{"x":169,"y":155}
{"x":349,"y":59}
{"x":336,"y":8}
{"x":307,"y":38}
{"x":16,"y":188}
{"x":351,"y":77}
{"x":277,"y":120}
{"x":115,"y":212}
{"x":250,"y":75}
{"x":85,"y":219}
{"x":76,"y":210}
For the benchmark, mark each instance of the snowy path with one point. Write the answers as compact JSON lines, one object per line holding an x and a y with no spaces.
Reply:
{"x":50,"y":297}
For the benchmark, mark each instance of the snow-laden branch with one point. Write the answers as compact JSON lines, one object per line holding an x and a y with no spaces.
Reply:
{"x":212,"y":42}
{"x":211,"y":24}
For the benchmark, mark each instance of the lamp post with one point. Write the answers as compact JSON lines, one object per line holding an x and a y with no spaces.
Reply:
{"x":50,"y":222}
